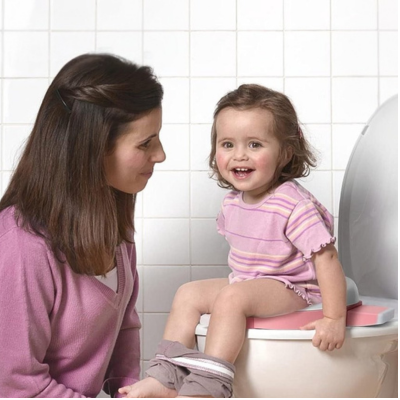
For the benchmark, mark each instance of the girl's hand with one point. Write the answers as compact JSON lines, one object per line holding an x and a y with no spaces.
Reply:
{"x":124,"y":391}
{"x":329,"y":333}
{"x":148,"y":387}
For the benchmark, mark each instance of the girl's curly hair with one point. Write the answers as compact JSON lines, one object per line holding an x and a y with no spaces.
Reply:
{"x":286,"y":129}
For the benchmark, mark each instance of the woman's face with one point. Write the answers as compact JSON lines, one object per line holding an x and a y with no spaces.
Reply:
{"x":131,"y":163}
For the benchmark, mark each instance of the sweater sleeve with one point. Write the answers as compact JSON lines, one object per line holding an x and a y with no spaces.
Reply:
{"x":26,"y":298}
{"x":124,"y":366}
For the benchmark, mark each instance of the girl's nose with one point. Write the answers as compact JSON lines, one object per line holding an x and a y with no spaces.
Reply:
{"x":240,"y":154}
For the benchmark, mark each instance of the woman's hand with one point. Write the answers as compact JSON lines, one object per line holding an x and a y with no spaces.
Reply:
{"x":329,"y":333}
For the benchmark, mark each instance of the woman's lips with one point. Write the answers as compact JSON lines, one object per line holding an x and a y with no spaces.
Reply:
{"x":147,"y":174}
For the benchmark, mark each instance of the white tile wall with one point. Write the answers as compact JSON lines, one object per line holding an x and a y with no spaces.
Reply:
{"x":354,"y":53}
{"x":354,"y":14}
{"x":311,"y":98}
{"x":252,"y":57}
{"x":320,"y":135}
{"x":212,"y":15}
{"x":66,"y":17}
{"x":126,"y":44}
{"x":336,"y":59}
{"x":297,"y":15}
{"x":118,"y":15}
{"x":167,"y":195}
{"x":160,"y":47}
{"x":26,"y":54}
{"x":307,"y":53}
{"x":259,"y":15}
{"x":213,"y":53}
{"x":161,"y":15}
{"x":26,"y":14}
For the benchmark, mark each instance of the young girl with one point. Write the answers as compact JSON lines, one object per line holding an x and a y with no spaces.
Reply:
{"x":67,"y":255}
{"x":281,"y":250}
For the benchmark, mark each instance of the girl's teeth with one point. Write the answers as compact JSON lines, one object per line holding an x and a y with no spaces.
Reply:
{"x":242,"y":172}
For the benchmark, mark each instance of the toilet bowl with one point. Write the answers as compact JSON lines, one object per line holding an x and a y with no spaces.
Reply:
{"x":279,"y":360}
{"x":283,"y":362}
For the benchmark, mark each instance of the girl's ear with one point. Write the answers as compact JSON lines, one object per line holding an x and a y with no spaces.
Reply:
{"x":287,"y":155}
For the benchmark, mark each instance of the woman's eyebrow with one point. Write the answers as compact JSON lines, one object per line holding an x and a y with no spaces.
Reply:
{"x":148,"y":138}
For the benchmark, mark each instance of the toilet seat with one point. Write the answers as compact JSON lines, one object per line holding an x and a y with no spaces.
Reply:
{"x":373,"y":312}
{"x":357,"y":315}
{"x":286,"y":327}
{"x":389,"y":328}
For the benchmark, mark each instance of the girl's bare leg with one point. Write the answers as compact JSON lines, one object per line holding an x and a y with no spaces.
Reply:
{"x":191,"y":301}
{"x":236,"y":302}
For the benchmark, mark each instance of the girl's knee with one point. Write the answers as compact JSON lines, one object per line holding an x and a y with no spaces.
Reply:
{"x":184,"y":293}
{"x":198,"y":294}
{"x":231,"y":298}
{"x":188,"y":295}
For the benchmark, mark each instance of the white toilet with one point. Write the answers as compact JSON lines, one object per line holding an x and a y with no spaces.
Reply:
{"x":283,"y":362}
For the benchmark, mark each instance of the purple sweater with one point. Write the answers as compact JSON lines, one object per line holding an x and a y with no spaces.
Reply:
{"x":63,"y":334}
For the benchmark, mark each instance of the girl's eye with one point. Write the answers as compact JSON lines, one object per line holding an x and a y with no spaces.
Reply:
{"x":227,"y":145}
{"x":254,"y":145}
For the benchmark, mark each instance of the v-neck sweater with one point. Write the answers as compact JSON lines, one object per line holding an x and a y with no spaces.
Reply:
{"x":62,"y":334}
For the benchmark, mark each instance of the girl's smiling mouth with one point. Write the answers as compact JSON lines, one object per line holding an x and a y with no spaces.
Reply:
{"x":242,"y":173}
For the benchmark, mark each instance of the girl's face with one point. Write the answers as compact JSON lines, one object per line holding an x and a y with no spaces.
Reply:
{"x":247,"y":151}
{"x":131,"y":163}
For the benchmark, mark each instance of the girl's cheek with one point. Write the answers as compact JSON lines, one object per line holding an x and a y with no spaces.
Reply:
{"x":220,"y":159}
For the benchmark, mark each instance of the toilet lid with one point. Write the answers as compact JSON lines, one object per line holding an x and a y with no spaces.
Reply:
{"x":368,"y":233}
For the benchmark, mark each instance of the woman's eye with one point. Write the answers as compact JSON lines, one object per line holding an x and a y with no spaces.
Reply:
{"x":146,"y":144}
{"x":254,"y":145}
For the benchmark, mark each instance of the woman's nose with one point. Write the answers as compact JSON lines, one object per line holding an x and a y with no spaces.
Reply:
{"x":159,"y":154}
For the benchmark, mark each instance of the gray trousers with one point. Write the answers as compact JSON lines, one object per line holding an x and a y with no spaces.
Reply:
{"x":190,"y":372}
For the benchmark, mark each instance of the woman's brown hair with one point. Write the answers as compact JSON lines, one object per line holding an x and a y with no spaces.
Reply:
{"x":286,"y":129}
{"x":59,"y":189}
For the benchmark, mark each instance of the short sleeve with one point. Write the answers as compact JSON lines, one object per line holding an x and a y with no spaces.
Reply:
{"x":308,"y":229}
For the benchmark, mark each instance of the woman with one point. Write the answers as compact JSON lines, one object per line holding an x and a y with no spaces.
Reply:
{"x":67,"y":255}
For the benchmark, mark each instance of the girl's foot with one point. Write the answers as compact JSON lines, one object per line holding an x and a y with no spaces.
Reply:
{"x":148,"y":387}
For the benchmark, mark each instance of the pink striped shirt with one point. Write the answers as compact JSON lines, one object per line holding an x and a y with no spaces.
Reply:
{"x":277,"y":237}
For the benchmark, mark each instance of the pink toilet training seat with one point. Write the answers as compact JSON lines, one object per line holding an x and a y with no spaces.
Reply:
{"x":357,"y":315}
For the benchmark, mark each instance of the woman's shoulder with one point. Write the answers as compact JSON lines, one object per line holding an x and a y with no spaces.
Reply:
{"x":15,"y":237}
{"x":7,"y":220}
{"x":9,"y":226}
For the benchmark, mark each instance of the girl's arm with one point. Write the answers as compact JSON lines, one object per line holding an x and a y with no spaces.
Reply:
{"x":331,"y":329}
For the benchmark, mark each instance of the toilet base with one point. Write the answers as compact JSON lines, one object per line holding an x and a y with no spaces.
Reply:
{"x":306,"y":372}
